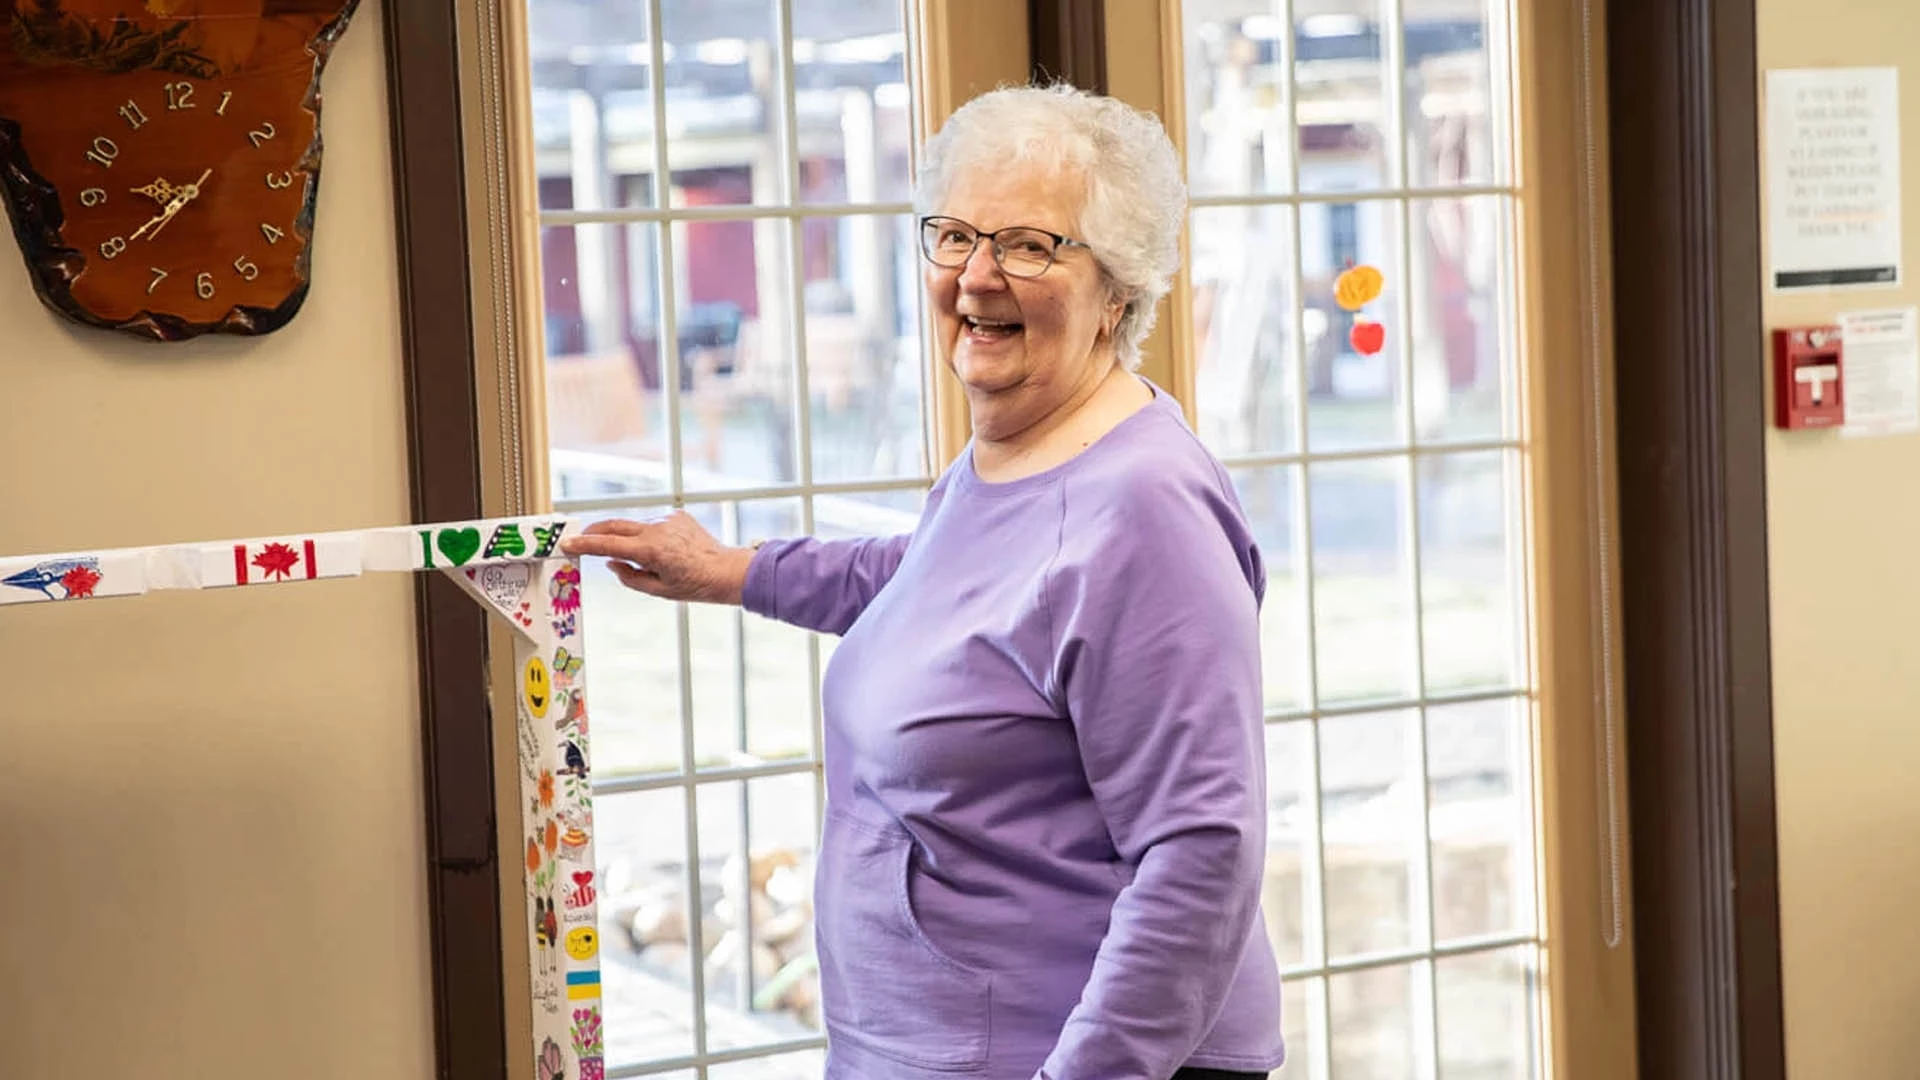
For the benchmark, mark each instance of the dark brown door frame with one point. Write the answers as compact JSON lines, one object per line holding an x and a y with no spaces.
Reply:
{"x":443,"y":441}
{"x":1692,"y":477}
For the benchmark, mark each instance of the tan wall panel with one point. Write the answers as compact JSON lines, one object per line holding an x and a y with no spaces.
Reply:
{"x":210,"y":802}
{"x":1841,"y":536}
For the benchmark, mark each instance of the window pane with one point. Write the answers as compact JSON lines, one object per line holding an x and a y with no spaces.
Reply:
{"x":1269,"y":495}
{"x":592,"y":102}
{"x":1374,"y":836}
{"x":1463,"y":319}
{"x":1375,"y":1033}
{"x":640,"y":844}
{"x":805,"y":1065}
{"x":1246,"y":380}
{"x":724,"y":105}
{"x":850,"y":95}
{"x":1472,"y":610}
{"x":1236,"y":76}
{"x":736,"y":354}
{"x":1303,"y":1015}
{"x":634,"y":640}
{"x":1480,"y":792}
{"x":1363,"y":579}
{"x":847,"y":515}
{"x":750,"y":674}
{"x":1353,"y":393}
{"x":1488,"y":1006}
{"x":756,"y":888}
{"x":864,"y":361}
{"x":606,"y":409}
{"x":1450,"y":106}
{"x":1290,"y":892}
{"x":1342,"y":96}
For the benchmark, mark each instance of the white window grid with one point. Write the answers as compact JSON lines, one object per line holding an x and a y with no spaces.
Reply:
{"x":1512,"y":447}
{"x":690,"y":778}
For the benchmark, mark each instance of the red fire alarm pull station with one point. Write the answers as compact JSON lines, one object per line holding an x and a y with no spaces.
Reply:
{"x":1807,"y":386}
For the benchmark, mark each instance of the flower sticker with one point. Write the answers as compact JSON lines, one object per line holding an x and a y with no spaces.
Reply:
{"x":552,"y":1064}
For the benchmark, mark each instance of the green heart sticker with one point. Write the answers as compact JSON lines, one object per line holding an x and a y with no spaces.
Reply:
{"x":459,"y":545}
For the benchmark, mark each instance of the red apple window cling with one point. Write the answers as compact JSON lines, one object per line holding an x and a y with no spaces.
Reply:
{"x":1355,"y":288}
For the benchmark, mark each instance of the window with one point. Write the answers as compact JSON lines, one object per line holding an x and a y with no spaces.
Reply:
{"x":732,"y":325}
{"x":1379,"y":453}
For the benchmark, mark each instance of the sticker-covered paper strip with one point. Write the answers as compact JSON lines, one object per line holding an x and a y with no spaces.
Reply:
{"x":512,"y":566}
{"x":542,"y":602}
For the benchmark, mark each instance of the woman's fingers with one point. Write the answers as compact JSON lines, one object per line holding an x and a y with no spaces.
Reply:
{"x":627,"y":540}
{"x":635,"y":578}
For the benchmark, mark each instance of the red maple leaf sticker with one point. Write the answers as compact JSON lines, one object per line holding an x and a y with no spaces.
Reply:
{"x":277,"y":560}
{"x":79,"y":582}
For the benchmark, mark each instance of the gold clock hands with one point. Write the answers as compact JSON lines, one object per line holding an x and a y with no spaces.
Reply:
{"x":157,"y":219}
{"x":159,"y":191}
{"x":181,"y":197}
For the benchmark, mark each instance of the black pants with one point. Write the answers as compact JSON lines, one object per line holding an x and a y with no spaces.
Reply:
{"x":1191,"y":1073}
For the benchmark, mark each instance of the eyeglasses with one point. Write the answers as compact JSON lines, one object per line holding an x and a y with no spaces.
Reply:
{"x":1021,"y":251}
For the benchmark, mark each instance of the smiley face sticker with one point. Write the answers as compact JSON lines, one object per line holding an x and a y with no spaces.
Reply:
{"x":537,"y":689}
{"x":582,"y":943}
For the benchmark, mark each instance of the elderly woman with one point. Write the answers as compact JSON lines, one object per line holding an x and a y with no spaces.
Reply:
{"x":1046,"y":799}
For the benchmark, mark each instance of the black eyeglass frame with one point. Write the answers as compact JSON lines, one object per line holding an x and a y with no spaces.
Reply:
{"x":999,"y":253}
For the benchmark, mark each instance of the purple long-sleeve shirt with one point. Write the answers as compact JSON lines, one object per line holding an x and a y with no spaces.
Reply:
{"x":1046,"y":791}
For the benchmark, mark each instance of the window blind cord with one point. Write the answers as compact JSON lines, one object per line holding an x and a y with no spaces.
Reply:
{"x":1606,"y":692}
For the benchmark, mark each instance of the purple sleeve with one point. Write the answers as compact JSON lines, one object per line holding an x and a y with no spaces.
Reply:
{"x":820,"y":585}
{"x":1158,"y":664}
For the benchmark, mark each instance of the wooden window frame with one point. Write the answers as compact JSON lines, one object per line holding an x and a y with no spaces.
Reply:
{"x":1696,"y":989}
{"x":466,"y":389}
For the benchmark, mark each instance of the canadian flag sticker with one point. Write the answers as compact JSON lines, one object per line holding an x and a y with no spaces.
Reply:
{"x":275,"y":560}
{"x":269,"y":562}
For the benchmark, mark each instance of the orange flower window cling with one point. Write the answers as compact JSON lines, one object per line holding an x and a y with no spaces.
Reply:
{"x":1353,"y":290}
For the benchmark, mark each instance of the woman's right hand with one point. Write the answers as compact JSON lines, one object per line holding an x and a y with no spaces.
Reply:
{"x":674,"y":559}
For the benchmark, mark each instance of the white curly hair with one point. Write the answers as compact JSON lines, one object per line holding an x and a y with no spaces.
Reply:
{"x":1135,"y":203}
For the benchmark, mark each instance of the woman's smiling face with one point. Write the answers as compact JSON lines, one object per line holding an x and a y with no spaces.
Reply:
{"x":1035,"y":338}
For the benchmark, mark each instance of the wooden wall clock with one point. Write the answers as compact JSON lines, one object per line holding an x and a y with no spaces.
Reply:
{"x":160,"y":158}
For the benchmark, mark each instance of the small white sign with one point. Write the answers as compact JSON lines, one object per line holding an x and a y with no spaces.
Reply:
{"x":1880,"y":362}
{"x":1833,"y":178}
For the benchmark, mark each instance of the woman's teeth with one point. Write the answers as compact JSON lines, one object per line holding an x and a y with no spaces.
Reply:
{"x":989,"y":326}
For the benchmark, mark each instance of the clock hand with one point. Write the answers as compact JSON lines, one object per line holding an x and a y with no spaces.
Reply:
{"x":159,"y":191}
{"x":181,"y":197}
{"x":160,"y":218}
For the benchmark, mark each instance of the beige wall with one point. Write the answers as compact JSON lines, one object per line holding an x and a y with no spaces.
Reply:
{"x":210,"y":840}
{"x":1844,"y":530}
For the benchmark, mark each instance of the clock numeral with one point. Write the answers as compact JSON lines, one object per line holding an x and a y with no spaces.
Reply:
{"x":246,"y":268}
{"x":225,"y":96}
{"x":133,"y":116}
{"x":93,"y":196}
{"x":262,"y":134}
{"x":180,"y":96}
{"x":159,"y":276}
{"x":272,"y":234}
{"x":203,"y":285}
{"x":104,"y":151}
{"x":280,"y":180}
{"x":112,"y":248}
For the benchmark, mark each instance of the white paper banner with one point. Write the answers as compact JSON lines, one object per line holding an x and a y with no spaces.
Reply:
{"x":513,"y":566}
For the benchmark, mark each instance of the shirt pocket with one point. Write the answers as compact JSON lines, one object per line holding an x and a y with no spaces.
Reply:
{"x":884,"y":985}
